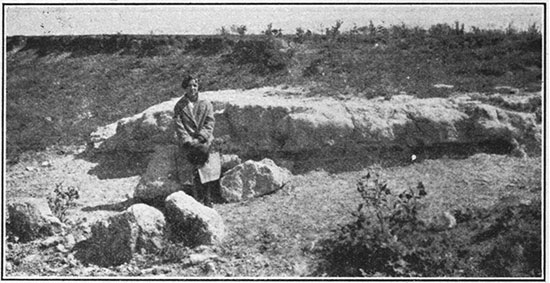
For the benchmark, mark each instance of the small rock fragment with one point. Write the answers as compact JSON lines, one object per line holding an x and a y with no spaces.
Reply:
{"x":70,"y":241}
{"x":51,"y":241}
{"x":209,"y":267}
{"x":61,"y":248}
{"x":31,"y":258}
{"x":200,"y":258}
{"x":30,"y":168}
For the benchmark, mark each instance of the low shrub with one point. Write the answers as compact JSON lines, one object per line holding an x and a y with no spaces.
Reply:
{"x":388,"y":238}
{"x":62,"y":199}
{"x":512,"y":241}
{"x":208,"y":46}
{"x":265,"y":56}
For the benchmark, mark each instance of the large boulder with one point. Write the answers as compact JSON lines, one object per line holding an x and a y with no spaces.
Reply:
{"x":252,"y":179}
{"x":269,"y":120}
{"x":161,"y":178}
{"x":139,"y":133}
{"x":115,"y":240}
{"x":191,"y":222}
{"x":169,"y":171}
{"x":32,"y":218}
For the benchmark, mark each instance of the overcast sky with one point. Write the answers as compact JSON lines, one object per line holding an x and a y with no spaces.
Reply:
{"x":208,"y":19}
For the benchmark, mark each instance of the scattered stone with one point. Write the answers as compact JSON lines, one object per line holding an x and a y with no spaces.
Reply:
{"x":200,"y":258}
{"x":202,"y":249}
{"x":443,"y":221}
{"x":30,"y":168}
{"x":70,"y":222}
{"x":70,"y":241}
{"x":300,"y":268}
{"x":81,"y":237}
{"x":31,"y":218}
{"x":157,"y":270}
{"x":163,"y":270}
{"x":61,"y":248}
{"x":117,"y":239}
{"x":450,"y":219}
{"x":525,"y":202}
{"x":252,"y":179}
{"x":72,"y":260}
{"x":79,"y":149}
{"x":31,"y":258}
{"x":85,"y":227}
{"x":209,"y":267}
{"x":191,"y":222}
{"x":51,"y":241}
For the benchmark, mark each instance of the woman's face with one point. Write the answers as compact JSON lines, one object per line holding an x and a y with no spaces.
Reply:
{"x":192,"y":90}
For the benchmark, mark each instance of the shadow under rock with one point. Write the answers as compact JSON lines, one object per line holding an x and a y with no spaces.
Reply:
{"x":90,"y":252}
{"x":337,"y":159}
{"x":120,"y":206}
{"x":344,"y":159}
{"x":120,"y":164}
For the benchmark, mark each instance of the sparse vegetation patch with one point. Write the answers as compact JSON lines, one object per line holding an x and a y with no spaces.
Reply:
{"x":389,"y":238}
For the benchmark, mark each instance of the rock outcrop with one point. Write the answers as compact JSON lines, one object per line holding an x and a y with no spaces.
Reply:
{"x":115,"y":240}
{"x":252,"y":179}
{"x":160,"y":180}
{"x":191,"y":222}
{"x":163,"y":177}
{"x":32,"y":218}
{"x":269,"y":120}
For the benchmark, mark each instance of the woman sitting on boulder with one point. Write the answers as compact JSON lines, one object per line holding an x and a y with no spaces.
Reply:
{"x":194,"y":121}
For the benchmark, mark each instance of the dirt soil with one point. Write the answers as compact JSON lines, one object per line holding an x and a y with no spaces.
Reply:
{"x":271,"y":236}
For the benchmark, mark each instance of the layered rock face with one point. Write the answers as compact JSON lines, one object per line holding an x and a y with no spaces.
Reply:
{"x":270,"y":120}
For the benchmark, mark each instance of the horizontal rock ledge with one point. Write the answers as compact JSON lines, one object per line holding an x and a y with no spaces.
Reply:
{"x":271,"y":120}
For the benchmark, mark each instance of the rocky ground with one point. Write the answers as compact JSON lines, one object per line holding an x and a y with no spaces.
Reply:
{"x":276,"y":235}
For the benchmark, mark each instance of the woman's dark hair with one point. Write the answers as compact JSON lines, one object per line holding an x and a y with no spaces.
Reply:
{"x":186,"y":80}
